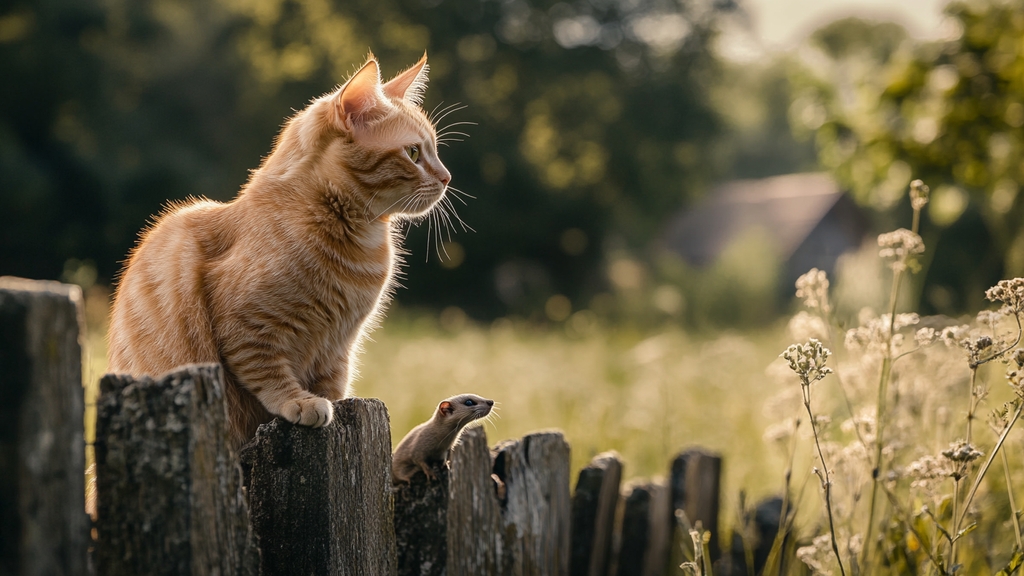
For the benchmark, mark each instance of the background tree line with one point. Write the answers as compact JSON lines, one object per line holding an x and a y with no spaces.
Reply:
{"x":592,"y":122}
{"x":589,"y":122}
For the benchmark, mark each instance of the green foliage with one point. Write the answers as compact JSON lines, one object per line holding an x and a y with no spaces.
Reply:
{"x":883,"y":107}
{"x":589,"y":116}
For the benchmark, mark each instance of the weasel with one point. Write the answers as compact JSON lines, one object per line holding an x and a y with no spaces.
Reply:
{"x":432,"y":440}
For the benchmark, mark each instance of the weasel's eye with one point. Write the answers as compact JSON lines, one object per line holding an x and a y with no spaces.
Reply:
{"x":470,"y":403}
{"x":414,"y":152}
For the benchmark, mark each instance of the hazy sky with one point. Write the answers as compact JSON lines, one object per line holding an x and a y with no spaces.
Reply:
{"x":782,"y":24}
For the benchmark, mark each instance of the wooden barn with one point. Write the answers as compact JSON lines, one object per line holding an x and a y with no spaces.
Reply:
{"x":811,"y":220}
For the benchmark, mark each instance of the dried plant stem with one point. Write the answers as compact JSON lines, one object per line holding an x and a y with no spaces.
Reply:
{"x":986,"y":466}
{"x":827,"y":483}
{"x":1013,"y":504}
{"x":956,"y":501}
{"x":971,"y":406}
{"x":883,"y":386}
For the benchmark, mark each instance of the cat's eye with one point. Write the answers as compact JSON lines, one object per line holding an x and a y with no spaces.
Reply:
{"x":470,"y":403}
{"x":414,"y":152}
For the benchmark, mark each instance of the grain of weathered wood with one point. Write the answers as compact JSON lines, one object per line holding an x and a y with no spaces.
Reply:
{"x":535,"y":471}
{"x":320,"y":498}
{"x":475,"y":529}
{"x":695,"y":483}
{"x":168,"y":483}
{"x":645,"y":530}
{"x":43,"y":526}
{"x":421,"y":524}
{"x":593,"y":515}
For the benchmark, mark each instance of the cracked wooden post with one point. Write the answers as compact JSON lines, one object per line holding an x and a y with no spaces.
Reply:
{"x":43,"y":526}
{"x":695,"y":484}
{"x":645,"y":531}
{"x":451,"y":526}
{"x":320,"y":498}
{"x":421,"y":524}
{"x":169,"y":496}
{"x":593,"y":515}
{"x":535,"y":472}
{"x":475,"y":541}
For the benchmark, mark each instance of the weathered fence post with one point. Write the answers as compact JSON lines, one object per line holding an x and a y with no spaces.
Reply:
{"x":460,"y":526}
{"x":168,"y":483}
{"x":646,"y":529}
{"x":593,"y":515}
{"x":535,"y":471}
{"x":421,"y":525}
{"x":695,"y":485}
{"x":43,"y":526}
{"x":451,"y":526}
{"x":320,"y":498}
{"x":475,"y":530}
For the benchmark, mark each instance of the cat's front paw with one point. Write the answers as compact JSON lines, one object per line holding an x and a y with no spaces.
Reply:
{"x":313,"y":411}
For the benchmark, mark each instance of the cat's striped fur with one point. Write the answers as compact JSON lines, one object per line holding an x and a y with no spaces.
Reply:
{"x":280,"y":284}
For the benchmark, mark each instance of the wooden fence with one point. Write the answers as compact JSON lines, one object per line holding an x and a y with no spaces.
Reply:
{"x":173,"y":498}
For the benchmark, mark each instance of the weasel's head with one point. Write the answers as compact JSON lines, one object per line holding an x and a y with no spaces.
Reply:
{"x":463,"y":409}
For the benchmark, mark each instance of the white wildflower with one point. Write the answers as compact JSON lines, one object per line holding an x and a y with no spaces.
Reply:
{"x":901,"y":246}
{"x":812,"y":287}
{"x":1010,"y":293}
{"x":918,"y":194}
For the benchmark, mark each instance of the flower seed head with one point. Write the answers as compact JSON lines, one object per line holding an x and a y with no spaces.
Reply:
{"x":812,"y":287}
{"x":962,"y":452}
{"x":918,"y":194}
{"x":808,"y":361}
{"x":1010,"y":293}
{"x":901,"y":246}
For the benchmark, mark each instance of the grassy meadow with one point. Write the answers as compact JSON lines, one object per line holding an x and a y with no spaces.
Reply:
{"x":645,"y":395}
{"x":920,"y":403}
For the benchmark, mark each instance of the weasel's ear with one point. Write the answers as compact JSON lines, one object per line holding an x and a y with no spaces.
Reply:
{"x":361,"y":99}
{"x":410,"y":84}
{"x":445,"y":408}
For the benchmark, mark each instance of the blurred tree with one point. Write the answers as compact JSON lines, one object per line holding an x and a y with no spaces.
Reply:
{"x":591,"y":124}
{"x":886,"y":110}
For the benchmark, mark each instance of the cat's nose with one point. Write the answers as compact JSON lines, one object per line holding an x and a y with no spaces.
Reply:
{"x":445,"y":177}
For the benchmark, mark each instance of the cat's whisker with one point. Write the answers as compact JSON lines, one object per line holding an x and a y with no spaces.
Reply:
{"x":430,"y":116}
{"x":447,"y":196}
{"x":438,"y":245}
{"x":443,"y":215}
{"x":457,"y":191}
{"x":390,"y":207}
{"x":446,"y":135}
{"x":433,"y":113}
{"x":430,"y":228}
{"x":453,"y":108}
{"x":366,"y":207}
{"x":446,"y":130}
{"x":449,"y":206}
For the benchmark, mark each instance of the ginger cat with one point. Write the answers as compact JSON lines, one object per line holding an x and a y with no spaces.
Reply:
{"x":280,"y":284}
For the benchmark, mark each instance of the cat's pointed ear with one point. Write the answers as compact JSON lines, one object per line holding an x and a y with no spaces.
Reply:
{"x":361,"y":98}
{"x":410,"y":84}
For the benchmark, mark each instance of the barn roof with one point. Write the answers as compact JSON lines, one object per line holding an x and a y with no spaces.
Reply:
{"x":787,"y":207}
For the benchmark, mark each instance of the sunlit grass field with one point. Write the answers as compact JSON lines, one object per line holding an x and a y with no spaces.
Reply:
{"x":646,"y":395}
